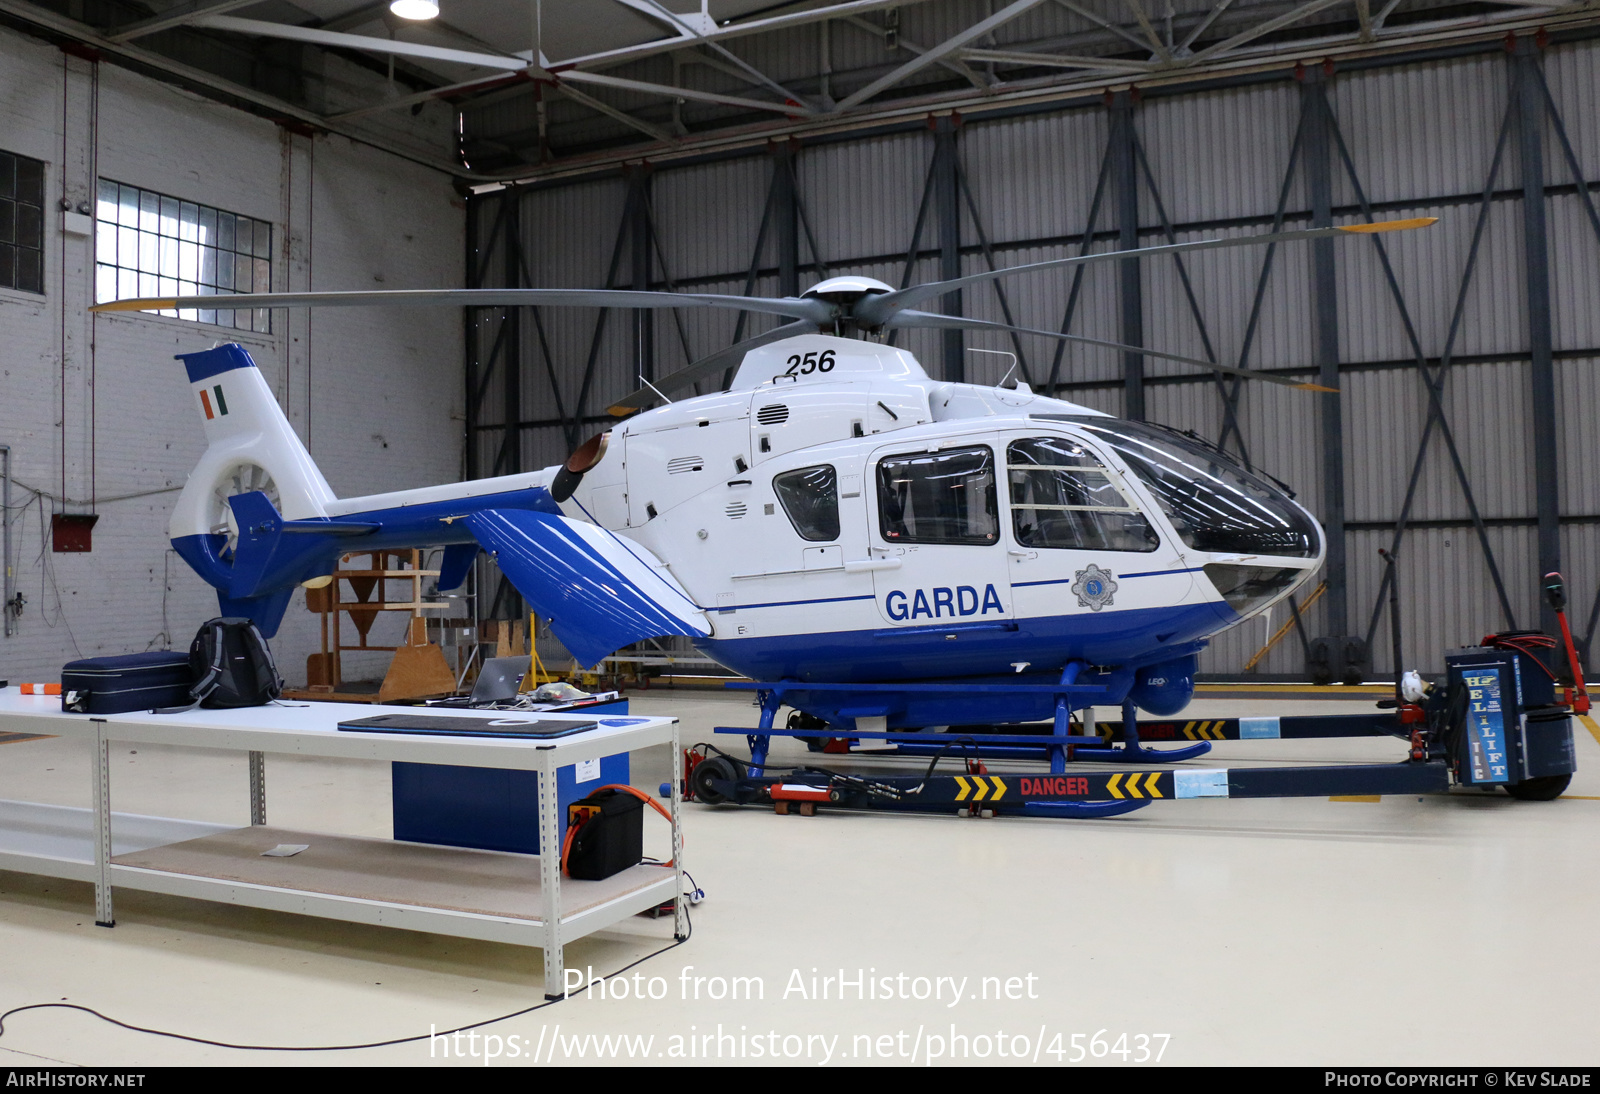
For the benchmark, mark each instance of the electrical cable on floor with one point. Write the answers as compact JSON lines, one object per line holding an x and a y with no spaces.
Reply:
{"x":674,"y":944}
{"x":959,"y":742}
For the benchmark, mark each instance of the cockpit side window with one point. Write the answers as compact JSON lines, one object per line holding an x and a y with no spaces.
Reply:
{"x":1063,"y":497}
{"x":810,"y":497}
{"x":939,"y":497}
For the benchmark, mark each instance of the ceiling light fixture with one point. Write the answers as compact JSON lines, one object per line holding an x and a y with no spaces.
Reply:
{"x":415,"y":9}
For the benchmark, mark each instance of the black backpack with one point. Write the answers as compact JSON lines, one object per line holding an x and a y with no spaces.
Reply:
{"x":232,"y":666}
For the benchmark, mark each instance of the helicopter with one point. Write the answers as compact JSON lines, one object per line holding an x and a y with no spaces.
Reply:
{"x":897,"y":551}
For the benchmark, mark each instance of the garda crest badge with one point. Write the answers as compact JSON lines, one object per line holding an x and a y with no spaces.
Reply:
{"x":1094,"y":587}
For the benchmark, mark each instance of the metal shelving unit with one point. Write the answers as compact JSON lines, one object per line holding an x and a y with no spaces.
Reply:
{"x":492,"y":895}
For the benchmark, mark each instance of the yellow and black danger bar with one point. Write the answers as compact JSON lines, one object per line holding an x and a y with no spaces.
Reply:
{"x":1013,"y":789}
{"x":1246,"y":729}
{"x":1137,"y":784}
{"x":982,"y":788}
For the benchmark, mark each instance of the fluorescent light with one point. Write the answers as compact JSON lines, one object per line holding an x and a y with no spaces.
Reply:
{"x":415,"y":9}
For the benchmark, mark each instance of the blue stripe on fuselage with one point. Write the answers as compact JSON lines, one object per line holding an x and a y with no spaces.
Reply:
{"x":1137,"y":636}
{"x":1120,"y":577}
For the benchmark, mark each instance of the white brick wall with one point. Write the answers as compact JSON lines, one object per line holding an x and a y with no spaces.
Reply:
{"x":375,"y":393}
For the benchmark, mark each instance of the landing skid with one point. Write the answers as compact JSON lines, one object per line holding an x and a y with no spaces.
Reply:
{"x":1058,"y":746}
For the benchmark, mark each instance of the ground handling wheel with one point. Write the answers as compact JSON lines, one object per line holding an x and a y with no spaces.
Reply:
{"x":719,"y":769}
{"x":1542,"y":789}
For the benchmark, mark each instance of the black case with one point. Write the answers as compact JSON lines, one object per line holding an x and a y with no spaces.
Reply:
{"x":133,"y":681}
{"x":610,"y":841}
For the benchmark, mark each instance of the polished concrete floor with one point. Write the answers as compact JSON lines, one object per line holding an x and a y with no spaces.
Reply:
{"x":1451,"y":930}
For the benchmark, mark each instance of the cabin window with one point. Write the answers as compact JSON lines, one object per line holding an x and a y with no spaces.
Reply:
{"x":939,"y":497}
{"x":1212,"y":502}
{"x":810,"y":497}
{"x":1062,"y":496}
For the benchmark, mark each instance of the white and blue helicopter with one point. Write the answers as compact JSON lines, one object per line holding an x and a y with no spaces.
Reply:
{"x":875,"y":548}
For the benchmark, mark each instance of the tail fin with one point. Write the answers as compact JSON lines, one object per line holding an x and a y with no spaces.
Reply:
{"x":249,"y":442}
{"x":251,"y":449}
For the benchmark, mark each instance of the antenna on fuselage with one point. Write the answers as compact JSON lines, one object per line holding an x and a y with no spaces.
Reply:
{"x":652,"y":387}
{"x":1001,"y":353}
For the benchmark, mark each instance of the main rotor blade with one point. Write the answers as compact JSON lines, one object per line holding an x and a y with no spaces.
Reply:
{"x":815,"y":311}
{"x":706,"y":367}
{"x":874,"y":310}
{"x":957,"y":322}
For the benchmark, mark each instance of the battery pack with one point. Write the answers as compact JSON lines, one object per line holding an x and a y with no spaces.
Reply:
{"x":610,"y":837}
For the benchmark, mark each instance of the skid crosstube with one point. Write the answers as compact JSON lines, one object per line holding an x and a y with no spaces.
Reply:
{"x":1107,"y":793}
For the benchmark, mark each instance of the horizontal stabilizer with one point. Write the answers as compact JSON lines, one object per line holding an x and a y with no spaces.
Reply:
{"x":599,"y":592}
{"x":325,"y":527}
{"x":265,"y":560}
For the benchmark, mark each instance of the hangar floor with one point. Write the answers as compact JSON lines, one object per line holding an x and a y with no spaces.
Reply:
{"x":1452,"y":930}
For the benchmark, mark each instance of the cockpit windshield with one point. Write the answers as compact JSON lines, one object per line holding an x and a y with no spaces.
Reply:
{"x":1212,"y":502}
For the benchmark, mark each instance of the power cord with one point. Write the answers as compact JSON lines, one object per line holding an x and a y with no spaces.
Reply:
{"x":959,"y":742}
{"x":674,"y":944}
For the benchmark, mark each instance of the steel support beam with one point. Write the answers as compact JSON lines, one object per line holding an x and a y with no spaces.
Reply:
{"x":644,"y":324}
{"x":1053,"y":385}
{"x":1229,"y":394}
{"x":1526,"y":91}
{"x":734,"y":28}
{"x":697,"y":32}
{"x":939,"y":52}
{"x":175,"y":17}
{"x":469,"y":325}
{"x":597,"y":79}
{"x":511,"y":450}
{"x":509,"y":460}
{"x":506,"y":352}
{"x":1318,"y":152}
{"x":947,"y":210}
{"x":786,"y":218}
{"x":339,"y":40}
{"x":1125,"y":189}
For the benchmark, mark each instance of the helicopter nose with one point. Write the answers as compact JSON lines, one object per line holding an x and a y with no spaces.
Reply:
{"x":1248,"y":587}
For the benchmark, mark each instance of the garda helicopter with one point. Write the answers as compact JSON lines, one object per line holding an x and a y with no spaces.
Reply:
{"x":885,"y":550}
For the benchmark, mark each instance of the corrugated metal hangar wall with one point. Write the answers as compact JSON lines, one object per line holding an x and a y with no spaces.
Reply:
{"x":1465,"y":353}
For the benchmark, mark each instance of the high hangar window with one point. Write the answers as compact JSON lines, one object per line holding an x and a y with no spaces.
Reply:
{"x":148,"y":244}
{"x":21,"y":223}
{"x":939,"y":497}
